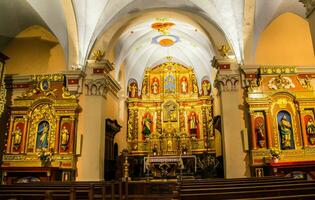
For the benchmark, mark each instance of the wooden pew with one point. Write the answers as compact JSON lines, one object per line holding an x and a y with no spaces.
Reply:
{"x":245,"y":188}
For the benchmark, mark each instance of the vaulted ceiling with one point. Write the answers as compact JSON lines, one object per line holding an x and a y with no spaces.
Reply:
{"x":79,"y":23}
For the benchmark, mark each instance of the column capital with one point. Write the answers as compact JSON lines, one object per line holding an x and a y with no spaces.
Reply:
{"x":228,"y":82}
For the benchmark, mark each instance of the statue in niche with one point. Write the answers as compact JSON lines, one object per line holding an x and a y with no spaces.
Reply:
{"x":65,"y":136}
{"x":285,"y":129}
{"x":17,"y":137}
{"x":170,"y":111}
{"x":184,"y":85}
{"x":310,"y":130}
{"x":205,"y":87}
{"x":42,"y":135}
{"x":260,"y":131}
{"x":147,"y":125}
{"x":133,"y":89}
{"x":193,"y":124}
{"x":155,"y":86}
{"x":194,"y":83}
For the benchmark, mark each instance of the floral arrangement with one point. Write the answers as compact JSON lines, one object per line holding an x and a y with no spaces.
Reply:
{"x":275,"y":153}
{"x":45,"y":156}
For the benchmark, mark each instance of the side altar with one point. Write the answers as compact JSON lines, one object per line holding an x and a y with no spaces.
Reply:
{"x":169,"y":116}
{"x":281,"y":105}
{"x":40,"y":145}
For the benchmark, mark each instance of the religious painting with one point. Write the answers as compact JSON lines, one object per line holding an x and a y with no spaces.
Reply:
{"x":205,"y":85}
{"x":147,"y":125}
{"x":169,"y":84}
{"x":155,"y":86}
{"x":310,"y":128}
{"x":170,"y":111}
{"x":42,"y":135}
{"x":65,"y":130}
{"x":193,"y":123}
{"x":132,"y":88}
{"x":260,"y":131}
{"x":184,"y":85}
{"x":17,"y":135}
{"x":285,"y":130}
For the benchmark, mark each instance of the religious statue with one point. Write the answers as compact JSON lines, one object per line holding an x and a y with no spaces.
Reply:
{"x":144,"y":89}
{"x":205,"y":88}
{"x":16,"y":138}
{"x":285,"y":131}
{"x":65,"y":136}
{"x":42,"y":135}
{"x":184,"y":85}
{"x":260,"y":131}
{"x":193,"y":123}
{"x":132,"y":90}
{"x":147,"y":126}
{"x":310,"y":130}
{"x":155,"y":86}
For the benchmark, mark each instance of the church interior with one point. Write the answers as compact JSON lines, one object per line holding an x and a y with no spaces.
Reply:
{"x":125,"y":95}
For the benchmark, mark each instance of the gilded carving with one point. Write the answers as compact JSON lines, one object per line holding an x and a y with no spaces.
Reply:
{"x":66,"y":94}
{"x":305,"y":82}
{"x":278,"y":70}
{"x":2,"y":97}
{"x":98,"y":55}
{"x":42,"y":127}
{"x":169,"y":113}
{"x":280,"y":82}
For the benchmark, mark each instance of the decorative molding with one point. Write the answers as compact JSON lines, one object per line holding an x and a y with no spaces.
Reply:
{"x":309,"y":5}
{"x":74,"y":81}
{"x":275,"y":70}
{"x":228,"y":82}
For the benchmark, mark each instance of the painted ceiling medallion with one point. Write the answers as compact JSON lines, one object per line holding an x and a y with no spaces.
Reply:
{"x":165,"y":40}
{"x":162,"y":27}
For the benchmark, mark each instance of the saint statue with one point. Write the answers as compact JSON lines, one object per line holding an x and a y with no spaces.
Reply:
{"x":17,"y":137}
{"x":310,"y":127}
{"x":285,"y":130}
{"x":132,"y":90}
{"x":42,"y":135}
{"x":155,"y":86}
{"x":310,"y":130}
{"x":147,"y":126}
{"x":65,"y":136}
{"x":144,"y":89}
{"x":260,"y":134}
{"x":193,"y":122}
{"x":184,"y":85}
{"x":205,"y":88}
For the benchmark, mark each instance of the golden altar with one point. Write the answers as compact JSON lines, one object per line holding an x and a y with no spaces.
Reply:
{"x":281,"y":112}
{"x":169,"y":115}
{"x":42,"y":132}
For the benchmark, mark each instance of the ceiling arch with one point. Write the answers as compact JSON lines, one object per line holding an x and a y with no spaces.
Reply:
{"x":151,"y":42}
{"x":267,"y":11}
{"x":228,"y":16}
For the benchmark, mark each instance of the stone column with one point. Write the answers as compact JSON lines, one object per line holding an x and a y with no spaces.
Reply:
{"x":235,"y":158}
{"x":99,"y":87}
